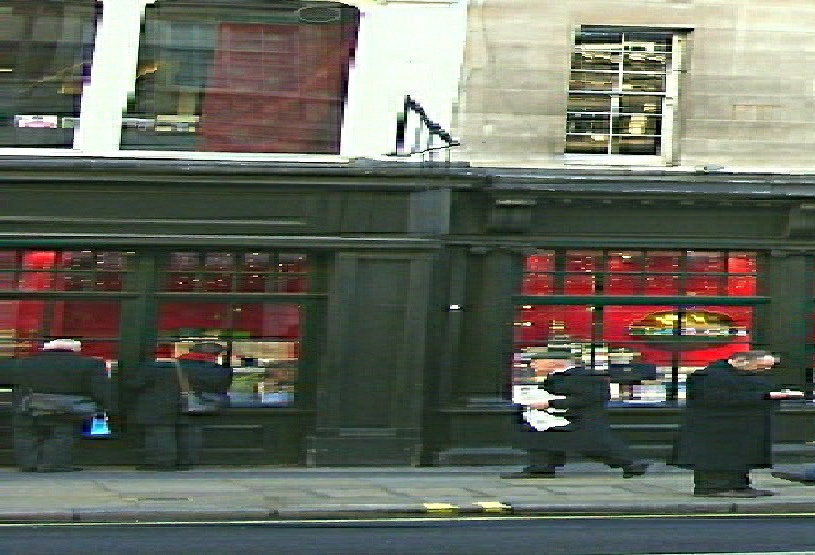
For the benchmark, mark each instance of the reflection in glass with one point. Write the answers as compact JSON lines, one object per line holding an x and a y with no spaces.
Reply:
{"x":87,"y":270}
{"x":246,"y":272}
{"x":45,"y":56}
{"x":587,"y":144}
{"x":646,"y":61}
{"x":625,"y":272}
{"x":614,"y":65}
{"x":589,"y":123}
{"x":589,"y":103}
{"x":261,"y":343}
{"x":644,"y":349}
{"x":635,"y":145}
{"x":592,"y":81}
{"x":241,"y":79}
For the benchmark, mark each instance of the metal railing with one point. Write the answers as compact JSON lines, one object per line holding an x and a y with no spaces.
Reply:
{"x":425,"y":133}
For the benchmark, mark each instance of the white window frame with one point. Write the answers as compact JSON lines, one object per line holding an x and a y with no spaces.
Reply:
{"x":400,"y":52}
{"x":668,"y":154}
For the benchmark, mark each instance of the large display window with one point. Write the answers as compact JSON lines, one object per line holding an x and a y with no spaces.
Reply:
{"x":624,"y":327}
{"x":261,"y":343}
{"x":251,"y":303}
{"x":45,"y":56}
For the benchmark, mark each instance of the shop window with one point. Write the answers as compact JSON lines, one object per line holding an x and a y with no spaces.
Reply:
{"x":26,"y":324}
{"x":45,"y":56}
{"x":239,"y":272}
{"x":646,"y":347}
{"x":634,"y":272}
{"x":228,"y":78}
{"x":620,"y":82}
{"x":261,"y":343}
{"x":647,"y":351}
{"x":53,"y":270}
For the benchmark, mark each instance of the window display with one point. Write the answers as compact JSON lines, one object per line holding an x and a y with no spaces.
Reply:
{"x":261,"y":343}
{"x":647,"y":350}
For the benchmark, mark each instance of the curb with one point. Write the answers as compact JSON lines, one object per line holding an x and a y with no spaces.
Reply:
{"x":351,"y":512}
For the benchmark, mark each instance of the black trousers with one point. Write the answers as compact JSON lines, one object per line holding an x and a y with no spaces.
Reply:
{"x":712,"y":481}
{"x":611,"y":451}
{"x":43,"y":442}
{"x":168,"y":445}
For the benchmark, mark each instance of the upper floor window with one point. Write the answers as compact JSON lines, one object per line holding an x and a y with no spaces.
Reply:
{"x":621,"y":91}
{"x":228,"y":78}
{"x":45,"y":56}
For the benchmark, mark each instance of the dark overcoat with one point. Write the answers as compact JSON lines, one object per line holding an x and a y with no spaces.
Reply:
{"x":67,"y":372}
{"x":157,"y":393}
{"x":727,"y":421}
{"x":586,"y":395}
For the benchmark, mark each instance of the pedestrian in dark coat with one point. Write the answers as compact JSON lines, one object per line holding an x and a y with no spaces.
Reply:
{"x":726,"y":427}
{"x":567,"y":413}
{"x":172,"y":440}
{"x":45,"y":443}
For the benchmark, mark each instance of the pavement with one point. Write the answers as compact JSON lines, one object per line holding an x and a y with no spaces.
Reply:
{"x":241,"y":494}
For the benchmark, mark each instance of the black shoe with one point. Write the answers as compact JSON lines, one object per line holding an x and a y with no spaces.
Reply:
{"x":59,"y":469}
{"x":794,"y":478}
{"x":636,"y":468}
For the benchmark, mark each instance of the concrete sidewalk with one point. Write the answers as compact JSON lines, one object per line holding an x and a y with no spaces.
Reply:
{"x":120,"y":494}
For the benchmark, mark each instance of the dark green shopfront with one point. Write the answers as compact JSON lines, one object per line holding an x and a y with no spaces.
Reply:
{"x":383,"y":313}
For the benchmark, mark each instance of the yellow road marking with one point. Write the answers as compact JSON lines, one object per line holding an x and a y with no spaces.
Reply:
{"x":493,"y":506}
{"x":440,"y":507}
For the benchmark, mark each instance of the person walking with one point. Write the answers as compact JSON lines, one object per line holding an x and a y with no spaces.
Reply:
{"x":45,"y":443}
{"x":726,"y":428}
{"x":567,"y":413}
{"x":173,"y":440}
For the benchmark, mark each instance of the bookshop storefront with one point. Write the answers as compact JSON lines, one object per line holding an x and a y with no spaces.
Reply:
{"x":384,"y":314}
{"x":645,"y":287}
{"x":316,"y":281}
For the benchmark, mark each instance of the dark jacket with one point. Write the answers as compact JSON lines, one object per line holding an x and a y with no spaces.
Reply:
{"x":157,"y":392}
{"x":586,"y":395}
{"x":64,"y":372}
{"x":727,"y":422}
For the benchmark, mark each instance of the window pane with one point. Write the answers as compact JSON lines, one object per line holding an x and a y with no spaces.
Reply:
{"x":593,"y":81}
{"x":261,"y":343}
{"x":588,"y":123}
{"x":587,"y":144}
{"x":635,"y":145}
{"x":45,"y":56}
{"x":640,"y":104}
{"x":64,"y":270}
{"x":636,"y":82}
{"x":208,"y":80}
{"x":591,"y":59}
{"x":256,"y":272}
{"x":589,"y":103}
{"x":29,"y":323}
{"x":638,"y":125}
{"x":646,"y":61}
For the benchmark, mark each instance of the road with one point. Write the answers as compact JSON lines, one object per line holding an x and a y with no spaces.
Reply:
{"x":503,"y":536}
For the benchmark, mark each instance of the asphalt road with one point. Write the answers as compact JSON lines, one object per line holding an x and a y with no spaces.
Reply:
{"x":503,"y":536}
